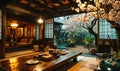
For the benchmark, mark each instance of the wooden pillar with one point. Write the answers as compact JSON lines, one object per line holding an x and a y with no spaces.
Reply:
{"x":37,"y":31}
{"x":2,"y":46}
{"x":41,"y":31}
{"x":1,"y":55}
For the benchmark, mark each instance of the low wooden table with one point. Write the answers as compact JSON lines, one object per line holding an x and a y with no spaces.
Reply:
{"x":19,"y":63}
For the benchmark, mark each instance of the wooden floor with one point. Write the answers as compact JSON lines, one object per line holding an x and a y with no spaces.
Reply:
{"x":85,"y":63}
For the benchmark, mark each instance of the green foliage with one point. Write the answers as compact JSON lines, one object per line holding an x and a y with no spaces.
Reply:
{"x":89,"y":39}
{"x":118,"y":53}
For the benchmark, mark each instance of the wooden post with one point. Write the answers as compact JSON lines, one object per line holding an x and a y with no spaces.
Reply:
{"x":2,"y":46}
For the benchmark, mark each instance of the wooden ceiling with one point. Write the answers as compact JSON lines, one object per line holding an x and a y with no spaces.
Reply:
{"x":37,"y":8}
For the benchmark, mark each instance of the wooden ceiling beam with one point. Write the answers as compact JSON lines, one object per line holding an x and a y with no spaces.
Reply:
{"x":4,"y":2}
{"x":67,"y":6}
{"x":20,"y":10}
{"x":34,"y":12}
{"x":43,"y":6}
{"x":20,"y":16}
{"x":46,"y":12}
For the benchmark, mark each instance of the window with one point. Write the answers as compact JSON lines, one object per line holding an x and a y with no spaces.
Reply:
{"x":49,"y":28}
{"x":105,"y":30}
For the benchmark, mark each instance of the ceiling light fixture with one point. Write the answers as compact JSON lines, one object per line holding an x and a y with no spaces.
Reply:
{"x":40,"y":20}
{"x":14,"y":24}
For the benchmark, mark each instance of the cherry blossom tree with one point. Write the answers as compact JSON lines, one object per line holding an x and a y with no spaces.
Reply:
{"x":107,"y":9}
{"x":73,"y":27}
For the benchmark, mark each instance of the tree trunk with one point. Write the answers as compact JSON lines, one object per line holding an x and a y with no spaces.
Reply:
{"x":95,"y":35}
{"x":93,"y":23}
{"x":90,"y":29}
{"x":118,"y":39}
